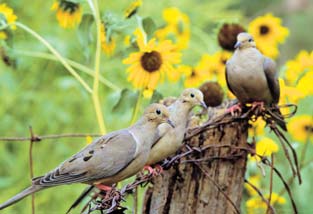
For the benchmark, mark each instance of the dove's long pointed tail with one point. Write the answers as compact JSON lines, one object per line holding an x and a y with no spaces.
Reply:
{"x":21,"y":195}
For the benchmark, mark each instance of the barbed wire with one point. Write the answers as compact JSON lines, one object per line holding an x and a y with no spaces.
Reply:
{"x":111,"y":201}
{"x":105,"y":202}
{"x":37,"y":138}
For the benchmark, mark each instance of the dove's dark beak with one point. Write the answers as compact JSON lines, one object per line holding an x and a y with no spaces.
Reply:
{"x":237,"y":45}
{"x":203,"y":104}
{"x":170,"y":123}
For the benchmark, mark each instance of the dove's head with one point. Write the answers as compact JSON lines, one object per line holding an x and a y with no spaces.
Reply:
{"x":244,"y":40}
{"x":157,"y":114}
{"x":193,"y":97}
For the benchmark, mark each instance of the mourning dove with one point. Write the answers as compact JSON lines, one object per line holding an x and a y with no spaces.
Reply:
{"x":107,"y":160}
{"x":252,"y":77}
{"x":172,"y":139}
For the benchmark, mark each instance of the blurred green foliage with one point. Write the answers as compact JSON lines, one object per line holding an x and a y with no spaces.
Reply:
{"x":41,"y":93}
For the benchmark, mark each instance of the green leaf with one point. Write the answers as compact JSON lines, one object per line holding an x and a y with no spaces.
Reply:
{"x":115,"y":24}
{"x":127,"y":98}
{"x":156,"y":97}
{"x":84,"y":33}
{"x":149,"y":26}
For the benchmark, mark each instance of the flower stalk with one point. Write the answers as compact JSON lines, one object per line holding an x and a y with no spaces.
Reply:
{"x":95,"y":92}
{"x":56,"y":54}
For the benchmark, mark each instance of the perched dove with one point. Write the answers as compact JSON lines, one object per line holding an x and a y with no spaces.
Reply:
{"x":107,"y":160}
{"x":172,"y":139}
{"x":252,"y":77}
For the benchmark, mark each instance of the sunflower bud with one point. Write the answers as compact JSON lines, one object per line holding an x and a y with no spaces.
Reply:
{"x":213,"y":93}
{"x":227,"y":36}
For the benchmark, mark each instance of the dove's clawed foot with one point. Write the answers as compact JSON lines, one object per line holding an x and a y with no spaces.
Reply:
{"x":103,"y":187}
{"x":258,"y":104}
{"x":234,"y":109}
{"x":157,"y":170}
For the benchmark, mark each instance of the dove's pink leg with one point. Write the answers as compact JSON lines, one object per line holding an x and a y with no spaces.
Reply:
{"x":148,"y":168}
{"x":103,"y":187}
{"x":258,"y":104}
{"x":234,"y":108}
{"x":154,"y":171}
{"x":158,"y":169}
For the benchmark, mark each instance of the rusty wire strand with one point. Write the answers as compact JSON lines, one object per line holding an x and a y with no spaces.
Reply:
{"x":219,"y":121}
{"x":278,"y":173}
{"x":112,"y":202}
{"x":261,"y":195}
{"x":37,"y":138}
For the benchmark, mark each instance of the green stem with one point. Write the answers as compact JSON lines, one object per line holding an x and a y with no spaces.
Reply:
{"x":56,"y":53}
{"x":95,"y":93}
{"x":74,"y":64}
{"x":137,"y":107}
{"x":139,"y":23}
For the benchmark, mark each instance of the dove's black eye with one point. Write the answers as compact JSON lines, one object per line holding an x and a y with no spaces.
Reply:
{"x":158,"y":111}
{"x":250,"y":40}
{"x":192,"y":95}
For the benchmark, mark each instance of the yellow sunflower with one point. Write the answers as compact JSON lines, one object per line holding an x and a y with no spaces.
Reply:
{"x":269,"y":50}
{"x":266,"y":146}
{"x":149,"y":65}
{"x":268,"y":29}
{"x":305,"y":84}
{"x":294,"y":68}
{"x":290,"y":94}
{"x":256,"y":205}
{"x":214,"y":66}
{"x":7,"y":16}
{"x":108,"y":44}
{"x":194,"y":77}
{"x":301,"y":128}
{"x":268,"y":33}
{"x":132,"y":9}
{"x":257,"y":127}
{"x":177,"y":27}
{"x":68,"y":13}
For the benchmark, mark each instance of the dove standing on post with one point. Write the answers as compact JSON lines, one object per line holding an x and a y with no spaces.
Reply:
{"x":253,"y":77}
{"x":107,"y":160}
{"x":172,"y":139}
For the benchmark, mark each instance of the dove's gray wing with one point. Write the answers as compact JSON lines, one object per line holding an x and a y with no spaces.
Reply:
{"x":103,"y":158}
{"x":227,"y":67}
{"x":272,"y":78}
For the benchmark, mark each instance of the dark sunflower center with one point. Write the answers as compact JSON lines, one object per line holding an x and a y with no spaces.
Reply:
{"x":308,"y":128}
{"x":193,"y":73}
{"x":151,"y":61}
{"x":264,"y":29}
{"x":68,"y":6}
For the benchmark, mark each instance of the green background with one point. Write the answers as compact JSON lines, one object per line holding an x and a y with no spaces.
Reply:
{"x":41,"y":93}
